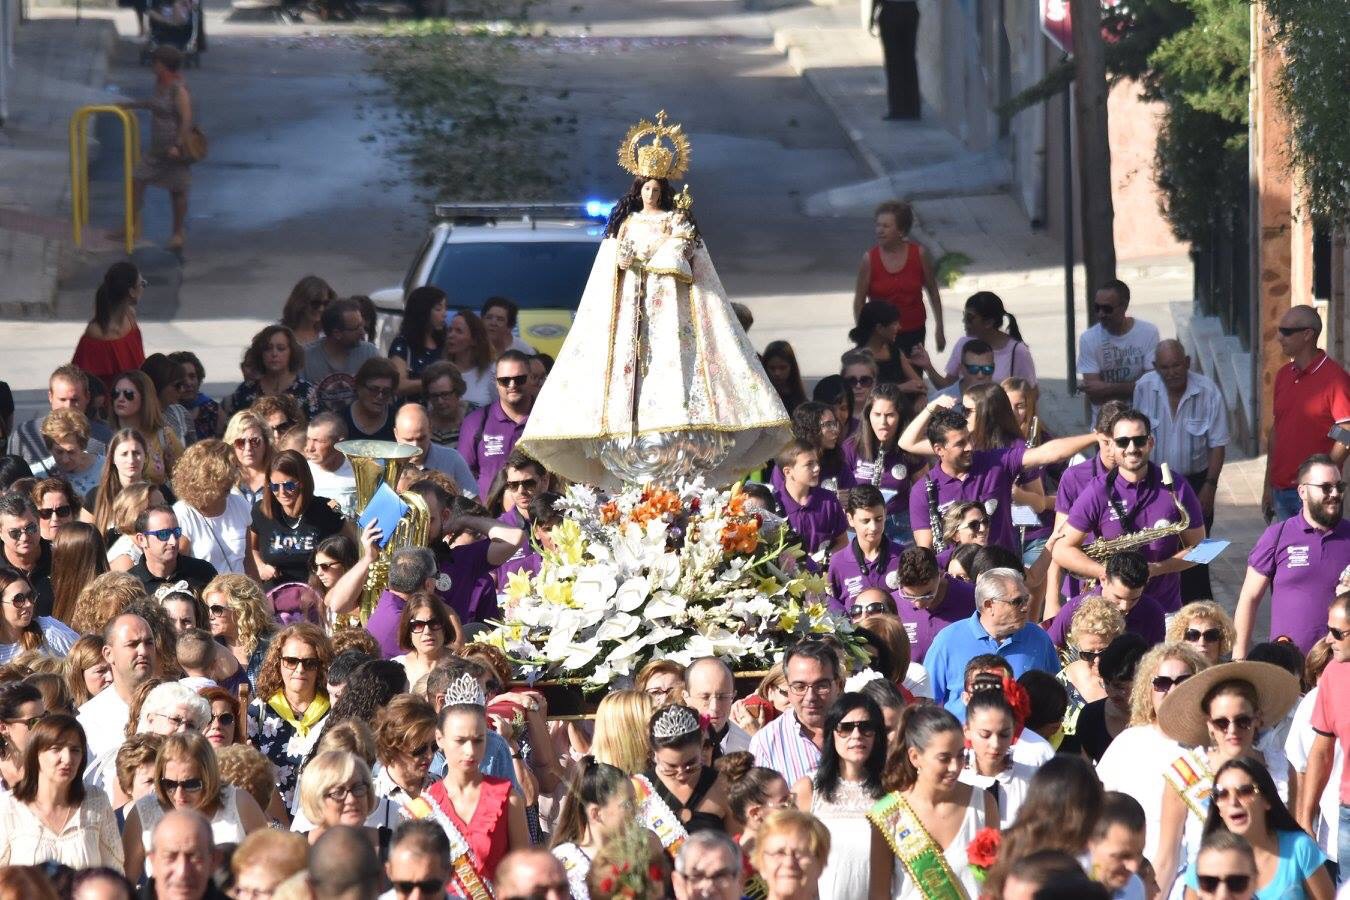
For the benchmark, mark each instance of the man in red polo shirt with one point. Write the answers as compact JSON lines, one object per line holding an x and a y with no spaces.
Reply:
{"x":1312,"y":393}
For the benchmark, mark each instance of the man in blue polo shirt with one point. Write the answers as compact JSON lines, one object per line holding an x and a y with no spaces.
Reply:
{"x":999,"y":626}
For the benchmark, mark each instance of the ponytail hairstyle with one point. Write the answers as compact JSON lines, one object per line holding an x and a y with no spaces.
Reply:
{"x":988,"y":305}
{"x":865,"y":438}
{"x":872,"y":317}
{"x":918,"y":726}
{"x":747,"y":783}
{"x":118,"y":283}
{"x":594,"y":782}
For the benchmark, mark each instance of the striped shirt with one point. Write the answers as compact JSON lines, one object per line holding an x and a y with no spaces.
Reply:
{"x":784,"y":746}
{"x":1183,"y":439}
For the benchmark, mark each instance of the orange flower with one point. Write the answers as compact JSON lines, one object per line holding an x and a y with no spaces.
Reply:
{"x":609,"y":513}
{"x":740,"y":537}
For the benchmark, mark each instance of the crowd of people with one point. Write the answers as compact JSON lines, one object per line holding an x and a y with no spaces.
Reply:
{"x":199,"y":699}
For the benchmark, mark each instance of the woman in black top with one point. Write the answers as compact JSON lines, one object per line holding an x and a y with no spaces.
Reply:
{"x":421,"y":338}
{"x":877,"y":332}
{"x":695,"y":792}
{"x":289,"y":522}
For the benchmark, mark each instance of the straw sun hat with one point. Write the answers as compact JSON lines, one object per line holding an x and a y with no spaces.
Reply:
{"x":1181,"y":718}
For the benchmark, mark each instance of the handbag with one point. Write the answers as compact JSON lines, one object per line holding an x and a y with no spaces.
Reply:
{"x":196,"y":146}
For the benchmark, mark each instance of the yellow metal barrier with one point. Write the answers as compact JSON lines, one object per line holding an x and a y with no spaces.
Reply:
{"x":79,"y":169}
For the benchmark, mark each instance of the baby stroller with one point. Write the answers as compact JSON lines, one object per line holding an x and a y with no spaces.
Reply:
{"x":178,"y":24}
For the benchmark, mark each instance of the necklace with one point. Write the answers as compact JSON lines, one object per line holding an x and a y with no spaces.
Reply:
{"x":298,"y":519}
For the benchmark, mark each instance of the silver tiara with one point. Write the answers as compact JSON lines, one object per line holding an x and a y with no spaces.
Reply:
{"x":465,"y":691}
{"x":674,"y":721}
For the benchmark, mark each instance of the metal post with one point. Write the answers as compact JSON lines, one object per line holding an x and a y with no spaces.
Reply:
{"x":1071,"y":378}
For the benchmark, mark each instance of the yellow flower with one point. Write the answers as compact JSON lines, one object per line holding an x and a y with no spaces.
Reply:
{"x":558,"y":593}
{"x":768,"y":586}
{"x":518,"y":585}
{"x":788,"y":620}
{"x":568,"y":539}
{"x":816,"y":611}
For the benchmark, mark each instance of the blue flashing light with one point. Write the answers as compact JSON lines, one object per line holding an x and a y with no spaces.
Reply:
{"x":599,"y":209}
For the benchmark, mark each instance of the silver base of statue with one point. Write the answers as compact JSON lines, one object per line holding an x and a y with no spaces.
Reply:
{"x":663,"y":457}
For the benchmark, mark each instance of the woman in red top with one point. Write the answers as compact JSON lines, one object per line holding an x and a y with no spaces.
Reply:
{"x":898,"y":271}
{"x":111,"y":343}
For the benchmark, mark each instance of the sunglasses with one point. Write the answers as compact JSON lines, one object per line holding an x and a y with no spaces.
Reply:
{"x":21,"y":600}
{"x":1235,"y":883}
{"x":16,"y":533}
{"x":1337,"y":633}
{"x":979,"y":370}
{"x":289,"y":487}
{"x":1290,"y":331}
{"x":428,"y":888}
{"x":1208,"y":636}
{"x":308,"y":663}
{"x":1162,"y":684}
{"x":1241,"y":792}
{"x":326,"y":566}
{"x":217,"y":611}
{"x":1139,"y":441}
{"x":855,"y":381}
{"x":525,"y":484}
{"x":512,"y":380}
{"x":226,"y":719}
{"x":1015,"y":602}
{"x":427,"y":749}
{"x":1329,"y":487}
{"x":54,"y":512}
{"x":189,"y":786}
{"x":241,"y":443}
{"x":417,"y":626}
{"x":124,"y":395}
{"x":866,"y":729}
{"x":1241,"y":723}
{"x":1090,"y":656}
{"x":976,"y":525}
{"x":164,"y":534}
{"x":30,"y":722}
{"x":871,"y":609}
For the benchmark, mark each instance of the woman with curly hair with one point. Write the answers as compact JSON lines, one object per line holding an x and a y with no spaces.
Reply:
{"x":276,"y":361}
{"x":135,"y":405}
{"x":817,"y":424}
{"x":123,"y":465}
{"x":104,"y":597}
{"x":240,"y":619}
{"x":1206,"y":627}
{"x":78,"y":557}
{"x":405,"y":738}
{"x":86,"y":672}
{"x":252,"y":440}
{"x":1095,"y":624}
{"x":291,"y":700}
{"x":213,"y":517}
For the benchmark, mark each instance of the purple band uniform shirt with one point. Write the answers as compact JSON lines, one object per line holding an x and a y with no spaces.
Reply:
{"x":851,"y":573}
{"x":526,"y":558}
{"x":898,"y":469}
{"x":840,"y":479}
{"x":1145,"y":619}
{"x":1303,"y":564}
{"x":818,"y":521}
{"x":486,"y":454}
{"x":922,"y":625}
{"x":989,"y":482}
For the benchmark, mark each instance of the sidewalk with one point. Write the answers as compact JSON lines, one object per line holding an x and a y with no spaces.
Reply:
{"x":60,"y":65}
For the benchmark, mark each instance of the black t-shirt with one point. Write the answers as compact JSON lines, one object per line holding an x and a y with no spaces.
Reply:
{"x":355,"y":432}
{"x":288,"y":546}
{"x":1093,"y":737}
{"x":40,"y":578}
{"x":196,"y":572}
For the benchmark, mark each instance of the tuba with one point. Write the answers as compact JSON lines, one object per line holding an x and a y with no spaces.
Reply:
{"x":374,"y":462}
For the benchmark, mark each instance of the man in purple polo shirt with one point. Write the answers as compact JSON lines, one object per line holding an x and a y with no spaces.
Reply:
{"x":543,"y":518}
{"x":1301,"y":559}
{"x":1058,"y":585}
{"x":1130,"y":499}
{"x":489,"y":434}
{"x":929,"y":600}
{"x":1123,"y":586}
{"x":963,"y":473}
{"x":411,"y":570}
{"x":812,"y":511}
{"x":870,"y":560}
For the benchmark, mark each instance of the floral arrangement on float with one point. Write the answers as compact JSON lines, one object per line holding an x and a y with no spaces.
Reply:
{"x":654,"y":572}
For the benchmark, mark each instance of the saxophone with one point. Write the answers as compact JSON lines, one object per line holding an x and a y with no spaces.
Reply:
{"x":1102,"y":550}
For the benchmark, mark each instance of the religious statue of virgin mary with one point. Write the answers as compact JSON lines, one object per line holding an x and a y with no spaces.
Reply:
{"x":657,"y":379}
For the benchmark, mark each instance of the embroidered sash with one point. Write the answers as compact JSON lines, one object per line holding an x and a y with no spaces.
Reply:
{"x":654,"y":813}
{"x":1189,"y":776}
{"x":911,"y":843}
{"x":577,"y":865}
{"x":464,"y":863}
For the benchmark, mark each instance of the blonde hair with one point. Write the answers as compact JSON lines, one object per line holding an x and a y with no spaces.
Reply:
{"x":325,"y":772}
{"x":133,"y":500}
{"x":190,"y":746}
{"x":1204,"y":609}
{"x":1096,"y":616}
{"x":772,"y":679}
{"x":83,"y":654}
{"x":248,"y":770}
{"x":793,"y":821}
{"x":252,"y":616}
{"x":103,"y":598}
{"x":244,"y":420}
{"x":62,"y":424}
{"x":1141,"y":694}
{"x":350,"y":736}
{"x":205,"y":473}
{"x":282,"y":853}
{"x":1030,"y":393}
{"x":621,"y":731}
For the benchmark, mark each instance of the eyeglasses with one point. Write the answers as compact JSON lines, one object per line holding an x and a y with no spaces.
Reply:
{"x":524,"y":484}
{"x":21,"y":600}
{"x":253,"y":441}
{"x":430,"y":888}
{"x":857,"y":381}
{"x":831,"y":425}
{"x":1208,"y":636}
{"x":512,"y":380}
{"x":378,"y":391}
{"x":190,"y":786}
{"x":30,"y":722}
{"x":225,"y":719}
{"x":819,"y":688}
{"x":781,"y":853}
{"x":1330,"y":487}
{"x":1291,"y":330}
{"x":1241,"y":723}
{"x":866,"y":729}
{"x":165,"y":534}
{"x":979,"y":370}
{"x":217,"y":611}
{"x":308,"y":663}
{"x":124,"y":395}
{"x":1337,"y":633}
{"x":1241,"y":792}
{"x":721,"y":876}
{"x":417,"y":626}
{"x":1237,"y":884}
{"x":871,"y":609}
{"x":28,"y":530}
{"x":289,"y":487}
{"x":175,"y":721}
{"x":918,"y":598}
{"x":1014,"y":602}
{"x":340,"y":794}
{"x":688,"y":768}
{"x":975,"y":525}
{"x":1162,"y":684}
{"x":1090,"y":656}
{"x":1139,"y":441}
{"x":703,"y":699}
{"x":54,"y":512}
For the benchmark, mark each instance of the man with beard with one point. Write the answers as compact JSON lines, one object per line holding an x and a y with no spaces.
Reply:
{"x":488,"y":435}
{"x":1129,"y":499}
{"x":1301,"y":559}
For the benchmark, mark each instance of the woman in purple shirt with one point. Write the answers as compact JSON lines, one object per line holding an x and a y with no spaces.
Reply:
{"x":875,"y":458}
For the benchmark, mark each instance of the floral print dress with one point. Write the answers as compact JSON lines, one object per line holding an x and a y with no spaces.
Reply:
{"x":285,"y":739}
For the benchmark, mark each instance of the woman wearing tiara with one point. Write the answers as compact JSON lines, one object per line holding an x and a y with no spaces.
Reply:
{"x":656,"y":363}
{"x":679,"y":794}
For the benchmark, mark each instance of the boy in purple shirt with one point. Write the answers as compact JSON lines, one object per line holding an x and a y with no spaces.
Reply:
{"x":964,"y":473}
{"x":870,"y":560}
{"x":812,"y":511}
{"x":1130,"y":499}
{"x":543,"y":517}
{"x":1123,"y":586}
{"x":1301,"y":559}
{"x":488,"y":435}
{"x":928,"y":600}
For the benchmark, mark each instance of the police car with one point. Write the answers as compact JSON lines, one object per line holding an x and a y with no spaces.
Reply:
{"x":537,"y":254}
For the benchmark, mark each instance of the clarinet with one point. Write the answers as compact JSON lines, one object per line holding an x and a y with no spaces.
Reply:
{"x":934,"y":517}
{"x":1033,"y":435}
{"x":877,"y":469}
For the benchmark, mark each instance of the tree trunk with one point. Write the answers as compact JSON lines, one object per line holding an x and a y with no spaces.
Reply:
{"x":1094,"y":148}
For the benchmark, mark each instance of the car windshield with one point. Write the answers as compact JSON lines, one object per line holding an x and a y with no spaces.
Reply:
{"x":536,"y":275}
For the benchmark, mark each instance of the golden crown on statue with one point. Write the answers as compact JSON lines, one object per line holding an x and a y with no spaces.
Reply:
{"x":665,"y":155}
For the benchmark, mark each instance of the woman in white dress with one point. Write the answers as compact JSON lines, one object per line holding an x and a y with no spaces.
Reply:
{"x":656,"y":361}
{"x":844,"y":788}
{"x":929,"y":818}
{"x":599,"y":804}
{"x":991,"y":728}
